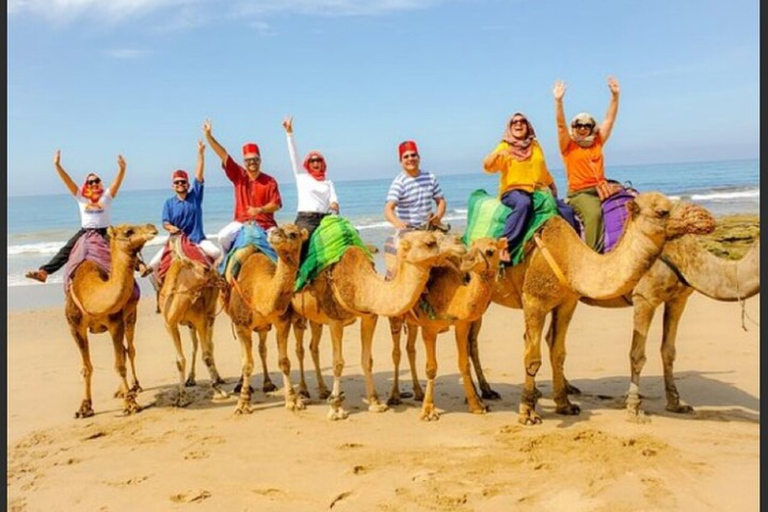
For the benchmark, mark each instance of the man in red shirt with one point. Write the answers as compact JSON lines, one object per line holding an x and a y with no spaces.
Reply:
{"x":257,"y":196}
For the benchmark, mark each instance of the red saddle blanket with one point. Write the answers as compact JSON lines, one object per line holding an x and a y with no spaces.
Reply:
{"x":190,"y":249}
{"x":92,"y":247}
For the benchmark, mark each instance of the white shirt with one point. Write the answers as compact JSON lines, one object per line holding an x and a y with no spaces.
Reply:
{"x":94,"y":215}
{"x":314,"y":195}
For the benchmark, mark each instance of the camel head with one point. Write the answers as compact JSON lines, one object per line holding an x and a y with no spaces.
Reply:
{"x":421,"y":248}
{"x":452,"y":249}
{"x":659,"y":218}
{"x":483,"y":255}
{"x":688,"y":218}
{"x":130,"y":238}
{"x":286,"y":240}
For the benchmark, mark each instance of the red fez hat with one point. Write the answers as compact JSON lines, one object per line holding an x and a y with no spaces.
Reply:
{"x":250,"y":150}
{"x":179,"y":174}
{"x":408,"y":145}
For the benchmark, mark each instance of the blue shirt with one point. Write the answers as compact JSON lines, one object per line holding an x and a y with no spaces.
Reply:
{"x":187,"y":215}
{"x":413,"y":197}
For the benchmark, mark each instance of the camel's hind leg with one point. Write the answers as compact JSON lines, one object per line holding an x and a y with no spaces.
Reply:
{"x":462,"y":344}
{"x":561,"y":318}
{"x":673,"y":310}
{"x":474,"y":354}
{"x":117,"y":331}
{"x":337,"y":412}
{"x":428,"y":411}
{"x":316,"y":330}
{"x":130,"y":329}
{"x":299,"y":327}
{"x":190,"y":382}
{"x":412,"y":331}
{"x":293,"y":401}
{"x":268,"y":385}
{"x":534,"y":323}
{"x":395,"y":329}
{"x":181,"y":362}
{"x":205,"y":328}
{"x":80,"y":334}
{"x":246,"y":345}
{"x":367,"y":327}
{"x":642,"y":316}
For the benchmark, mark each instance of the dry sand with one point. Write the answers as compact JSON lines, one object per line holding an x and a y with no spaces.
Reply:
{"x":203,"y":456}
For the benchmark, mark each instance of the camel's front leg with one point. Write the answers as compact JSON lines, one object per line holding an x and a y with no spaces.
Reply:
{"x":117,"y":331}
{"x":293,"y":401}
{"x":474,"y":354}
{"x":268,"y":385}
{"x":336,"y":411}
{"x":190,"y":382}
{"x":642,"y":316}
{"x":367,"y":326}
{"x":299,"y":326}
{"x":395,"y":330}
{"x":673,"y":310}
{"x":462,"y":344}
{"x":246,"y":345}
{"x":561,"y":318}
{"x":80,"y":334}
{"x":130,"y":328}
{"x":181,"y":362}
{"x":534,"y":323}
{"x":410,"y":349}
{"x":428,"y":411}
{"x":205,"y":327}
{"x":316,"y":330}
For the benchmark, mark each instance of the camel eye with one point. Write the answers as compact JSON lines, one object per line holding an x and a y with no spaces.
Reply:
{"x":129,"y":232}
{"x":663,"y":214}
{"x":430,"y":245}
{"x":490,"y":252}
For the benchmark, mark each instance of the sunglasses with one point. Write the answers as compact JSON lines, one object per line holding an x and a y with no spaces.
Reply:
{"x":517,"y":121}
{"x":410,"y":155}
{"x":94,"y":181}
{"x":252,"y":160}
{"x":315,"y":159}
{"x":579,"y":125}
{"x":180,"y":182}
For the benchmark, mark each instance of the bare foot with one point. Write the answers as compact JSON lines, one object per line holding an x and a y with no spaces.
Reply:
{"x":38,"y":275}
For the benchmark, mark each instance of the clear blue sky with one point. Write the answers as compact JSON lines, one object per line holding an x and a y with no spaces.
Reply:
{"x":99,"y":77}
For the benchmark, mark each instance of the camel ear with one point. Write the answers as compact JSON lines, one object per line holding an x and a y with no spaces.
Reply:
{"x":405,"y":244}
{"x":501,"y":243}
{"x":304,"y":234}
{"x":633,"y":208}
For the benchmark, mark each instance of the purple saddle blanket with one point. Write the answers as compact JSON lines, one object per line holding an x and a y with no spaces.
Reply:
{"x":615,"y":216}
{"x":91,"y":246}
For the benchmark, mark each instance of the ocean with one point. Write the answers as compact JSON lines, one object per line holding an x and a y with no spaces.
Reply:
{"x":39,"y":225}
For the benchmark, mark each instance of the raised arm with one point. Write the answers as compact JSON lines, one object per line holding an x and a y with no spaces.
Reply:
{"x":200,"y":170}
{"x":613,"y":108}
{"x":71,"y":185}
{"x":217,"y":148}
{"x":288,"y":125}
{"x":563,"y":137}
{"x":119,"y":178}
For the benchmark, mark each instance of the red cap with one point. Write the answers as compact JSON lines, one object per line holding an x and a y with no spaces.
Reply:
{"x":408,"y":145}
{"x":179,"y":174}
{"x":250,"y":150}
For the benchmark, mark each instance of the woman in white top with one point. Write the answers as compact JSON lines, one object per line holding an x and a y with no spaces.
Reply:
{"x":316,"y":194}
{"x":95,"y":203}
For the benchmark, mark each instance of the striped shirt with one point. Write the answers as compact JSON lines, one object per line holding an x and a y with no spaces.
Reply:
{"x":413,"y":197}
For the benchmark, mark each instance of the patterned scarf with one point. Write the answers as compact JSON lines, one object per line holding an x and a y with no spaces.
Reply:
{"x":520,"y":149}
{"x":318,"y":175}
{"x":91,"y":193}
{"x":587,"y":140}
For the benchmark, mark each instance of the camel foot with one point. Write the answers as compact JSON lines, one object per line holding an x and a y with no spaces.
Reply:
{"x":528,"y":416}
{"x":394,"y":400}
{"x":679,"y":408}
{"x":377,"y":406}
{"x":304,"y":393}
{"x":190,"y":382}
{"x":489,"y":394}
{"x":136,"y":388}
{"x":182,"y":400}
{"x":130,"y":406}
{"x":637,"y":416}
{"x":337,"y":414}
{"x":85,"y":411}
{"x":243,"y":407}
{"x":429,"y":413}
{"x":119,"y":393}
{"x":295,"y":403}
{"x":480,"y":408}
{"x":219,"y":394}
{"x":268,"y":387}
{"x":568,"y":409}
{"x":570,"y":389}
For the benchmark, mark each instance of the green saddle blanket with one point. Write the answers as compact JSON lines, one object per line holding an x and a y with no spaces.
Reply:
{"x":327,"y":245}
{"x":487,"y":215}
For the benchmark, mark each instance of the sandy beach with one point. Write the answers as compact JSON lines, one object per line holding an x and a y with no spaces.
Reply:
{"x":164,"y":458}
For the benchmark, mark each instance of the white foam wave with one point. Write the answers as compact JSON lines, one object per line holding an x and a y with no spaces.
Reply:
{"x":19,"y":280}
{"x":720,"y":195}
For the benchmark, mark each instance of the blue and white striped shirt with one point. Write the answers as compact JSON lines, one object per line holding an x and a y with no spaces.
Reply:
{"x":413,"y":197}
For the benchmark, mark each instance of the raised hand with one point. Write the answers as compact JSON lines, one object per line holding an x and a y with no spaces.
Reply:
{"x":288,"y":124}
{"x":200,"y":147}
{"x":559,"y":89}
{"x":121,"y":162}
{"x":57,"y":158}
{"x":207,"y":127}
{"x":613,"y":85}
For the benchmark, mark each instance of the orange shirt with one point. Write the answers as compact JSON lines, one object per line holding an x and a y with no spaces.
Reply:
{"x":584,"y":167}
{"x":516,"y":175}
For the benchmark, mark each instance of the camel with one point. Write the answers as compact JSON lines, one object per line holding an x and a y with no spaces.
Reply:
{"x":450,"y":299}
{"x":535,"y":287}
{"x":188,"y":296}
{"x":351,"y":289}
{"x":99,"y":301}
{"x":260,"y":297}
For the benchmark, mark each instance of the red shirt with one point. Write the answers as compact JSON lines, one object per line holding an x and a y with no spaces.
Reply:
{"x":249,"y":192}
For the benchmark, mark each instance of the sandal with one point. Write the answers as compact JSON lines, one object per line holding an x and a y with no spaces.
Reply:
{"x":37,"y":275}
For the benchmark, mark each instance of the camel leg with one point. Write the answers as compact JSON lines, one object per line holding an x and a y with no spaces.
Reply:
{"x":428,"y":411}
{"x":195,"y":345}
{"x":80,"y":334}
{"x":569,"y":388}
{"x":293,"y":401}
{"x":462,"y":344}
{"x":181,"y":362}
{"x":673,"y":310}
{"x":205,"y":328}
{"x":246,"y":344}
{"x":561,"y":318}
{"x":395,"y":329}
{"x":642,"y":316}
{"x":268,"y":385}
{"x":316,"y":331}
{"x":485,"y":389}
{"x":534,"y":323}
{"x":130,"y":329}
{"x":117,"y":331}
{"x":337,"y":412}
{"x":410,"y":348}
{"x":298,"y":333}
{"x":367,"y":327}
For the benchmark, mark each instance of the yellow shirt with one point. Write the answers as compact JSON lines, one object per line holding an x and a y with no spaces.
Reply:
{"x":516,"y":175}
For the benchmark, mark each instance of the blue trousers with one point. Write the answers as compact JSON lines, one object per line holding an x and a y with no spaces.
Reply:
{"x":568,"y":214}
{"x":521,"y":203}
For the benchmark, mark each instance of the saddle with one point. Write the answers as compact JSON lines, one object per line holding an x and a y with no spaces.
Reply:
{"x":182,"y":245}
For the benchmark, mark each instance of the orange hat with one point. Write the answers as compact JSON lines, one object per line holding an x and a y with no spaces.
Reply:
{"x":406,"y":146}
{"x":179,"y":174}
{"x":251,"y":150}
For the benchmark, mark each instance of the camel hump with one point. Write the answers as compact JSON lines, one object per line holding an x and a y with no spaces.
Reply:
{"x":91,"y":246}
